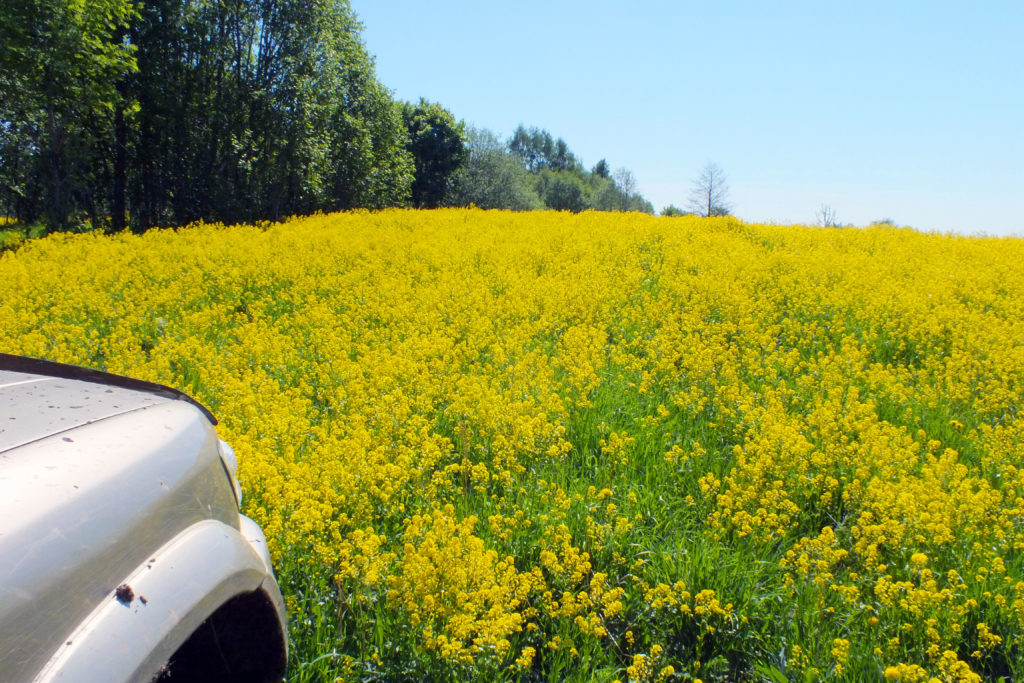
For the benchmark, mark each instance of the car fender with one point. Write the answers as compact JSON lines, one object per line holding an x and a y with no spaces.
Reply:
{"x":132,"y":634}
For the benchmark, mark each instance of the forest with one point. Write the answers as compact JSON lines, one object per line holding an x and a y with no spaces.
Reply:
{"x":121,"y":115}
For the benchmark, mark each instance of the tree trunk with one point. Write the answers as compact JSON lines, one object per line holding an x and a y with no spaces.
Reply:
{"x":57,"y":215}
{"x":117,"y":203}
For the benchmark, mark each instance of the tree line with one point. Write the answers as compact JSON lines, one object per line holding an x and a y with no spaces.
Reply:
{"x":123,"y":114}
{"x":533,"y":170}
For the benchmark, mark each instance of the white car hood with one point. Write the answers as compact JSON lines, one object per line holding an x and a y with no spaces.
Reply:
{"x":34,"y":407}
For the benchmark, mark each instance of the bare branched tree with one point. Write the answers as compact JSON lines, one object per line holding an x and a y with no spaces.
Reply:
{"x":625,"y":180}
{"x":826,"y":216}
{"x":710,"y":194}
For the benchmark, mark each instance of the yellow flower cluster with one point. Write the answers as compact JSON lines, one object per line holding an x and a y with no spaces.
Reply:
{"x":646,"y":668}
{"x":815,"y":557}
{"x":538,"y":445}
{"x":464,"y":598}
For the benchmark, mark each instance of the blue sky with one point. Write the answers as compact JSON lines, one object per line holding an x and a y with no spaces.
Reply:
{"x":911,"y":111}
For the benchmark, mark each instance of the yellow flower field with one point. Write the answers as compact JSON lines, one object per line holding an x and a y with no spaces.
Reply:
{"x":541,"y":446}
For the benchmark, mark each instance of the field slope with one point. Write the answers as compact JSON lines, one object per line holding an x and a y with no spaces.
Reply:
{"x":541,"y":446}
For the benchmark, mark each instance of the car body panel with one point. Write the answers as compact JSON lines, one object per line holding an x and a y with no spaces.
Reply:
{"x":130,"y":636}
{"x":38,"y":367}
{"x":95,"y":478}
{"x":35,"y":406}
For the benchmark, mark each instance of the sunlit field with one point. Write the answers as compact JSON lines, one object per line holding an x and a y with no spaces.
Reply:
{"x":540,"y":446}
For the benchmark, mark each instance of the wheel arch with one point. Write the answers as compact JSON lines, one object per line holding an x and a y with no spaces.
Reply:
{"x":207,"y":575}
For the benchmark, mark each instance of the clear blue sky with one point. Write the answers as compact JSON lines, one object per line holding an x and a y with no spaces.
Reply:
{"x":912,"y":111}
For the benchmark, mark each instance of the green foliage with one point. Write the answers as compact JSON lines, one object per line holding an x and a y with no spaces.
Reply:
{"x":371,"y":166}
{"x":533,"y":170}
{"x":292,"y":122}
{"x":673,"y":210}
{"x":437,"y":143}
{"x":563,"y":191}
{"x":538,"y":151}
{"x":617,"y":193}
{"x":175,"y":111}
{"x":60,"y":65}
{"x":563,"y":184}
{"x":492,"y":179}
{"x":9,"y":239}
{"x":64,"y":57}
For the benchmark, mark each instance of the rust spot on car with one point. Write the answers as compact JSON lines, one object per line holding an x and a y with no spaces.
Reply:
{"x":68,"y":439}
{"x":143,"y":600}
{"x":124,"y":594}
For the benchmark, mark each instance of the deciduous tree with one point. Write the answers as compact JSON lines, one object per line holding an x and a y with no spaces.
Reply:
{"x":709,"y":195}
{"x":826,"y":216}
{"x":492,"y":178}
{"x":437,"y":143}
{"x":538,"y":151}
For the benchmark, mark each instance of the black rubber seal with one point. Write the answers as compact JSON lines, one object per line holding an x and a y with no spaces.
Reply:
{"x":38,"y":366}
